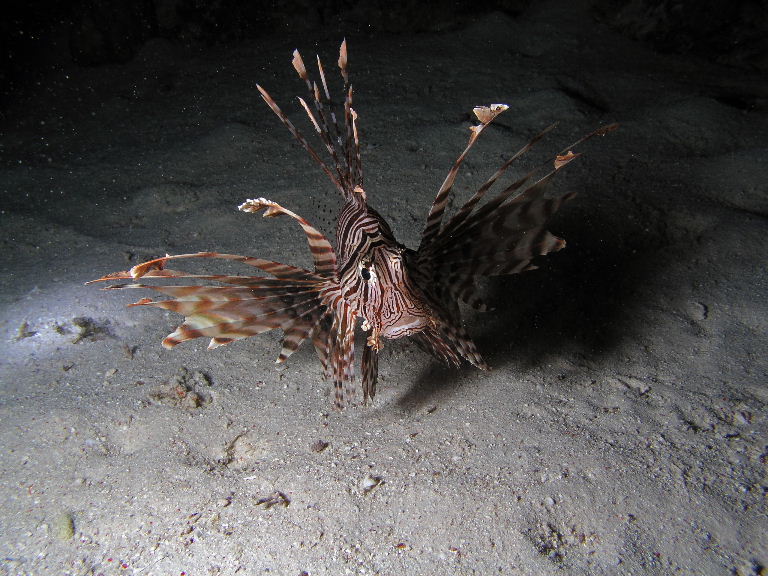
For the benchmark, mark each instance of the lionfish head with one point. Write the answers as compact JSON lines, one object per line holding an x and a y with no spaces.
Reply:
{"x":391,"y":305}
{"x":375,"y":276}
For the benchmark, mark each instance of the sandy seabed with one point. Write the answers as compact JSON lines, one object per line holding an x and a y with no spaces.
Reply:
{"x":621,"y":430}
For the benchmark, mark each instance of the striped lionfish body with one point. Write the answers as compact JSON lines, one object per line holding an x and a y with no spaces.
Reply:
{"x":368,"y":276}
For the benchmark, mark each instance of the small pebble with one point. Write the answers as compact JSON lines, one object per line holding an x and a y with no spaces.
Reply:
{"x":64,"y":527}
{"x":319,"y":446}
{"x":370,"y":482}
{"x":742,"y":418}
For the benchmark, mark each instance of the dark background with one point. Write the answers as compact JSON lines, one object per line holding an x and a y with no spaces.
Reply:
{"x":36,"y":34}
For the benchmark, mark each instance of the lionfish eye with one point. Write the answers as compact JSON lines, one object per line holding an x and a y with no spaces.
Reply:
{"x":365,"y":273}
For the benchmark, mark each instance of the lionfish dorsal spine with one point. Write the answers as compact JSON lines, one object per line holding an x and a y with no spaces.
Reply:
{"x":343,"y":148}
{"x":296,"y":133}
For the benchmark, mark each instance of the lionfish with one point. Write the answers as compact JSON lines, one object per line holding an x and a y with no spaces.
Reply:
{"x":369,"y":275}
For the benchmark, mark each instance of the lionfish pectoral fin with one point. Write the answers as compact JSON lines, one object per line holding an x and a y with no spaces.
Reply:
{"x":466,"y":347}
{"x":294,"y":336}
{"x":503,"y":235}
{"x":562,"y":160}
{"x":216,"y":342}
{"x":486,"y":115}
{"x":292,"y":300}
